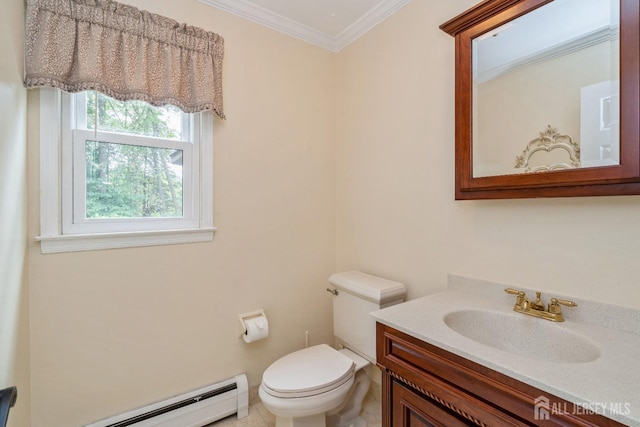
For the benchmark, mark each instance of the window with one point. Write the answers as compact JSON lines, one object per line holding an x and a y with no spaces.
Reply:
{"x":132,"y":171}
{"x":119,"y":174}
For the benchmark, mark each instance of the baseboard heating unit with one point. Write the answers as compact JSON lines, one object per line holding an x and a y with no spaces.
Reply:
{"x":196,"y":408}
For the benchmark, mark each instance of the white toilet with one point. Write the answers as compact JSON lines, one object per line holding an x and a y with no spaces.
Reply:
{"x":320,"y":386}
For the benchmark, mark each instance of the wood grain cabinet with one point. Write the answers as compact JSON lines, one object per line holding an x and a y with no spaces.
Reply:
{"x":423,"y":385}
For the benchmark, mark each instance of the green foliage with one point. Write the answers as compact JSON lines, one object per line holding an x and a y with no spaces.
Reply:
{"x":132,"y":117}
{"x":131,"y":181}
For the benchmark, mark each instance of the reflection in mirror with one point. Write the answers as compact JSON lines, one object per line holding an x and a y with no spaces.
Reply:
{"x":549,"y":152}
{"x":556,"y":64}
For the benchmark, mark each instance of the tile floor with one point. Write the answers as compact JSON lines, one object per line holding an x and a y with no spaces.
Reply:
{"x":260,"y":417}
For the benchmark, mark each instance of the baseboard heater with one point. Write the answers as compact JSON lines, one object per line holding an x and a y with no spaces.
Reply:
{"x":196,"y":408}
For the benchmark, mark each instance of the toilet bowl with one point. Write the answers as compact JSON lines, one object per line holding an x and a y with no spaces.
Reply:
{"x":304,"y":387}
{"x":320,"y":386}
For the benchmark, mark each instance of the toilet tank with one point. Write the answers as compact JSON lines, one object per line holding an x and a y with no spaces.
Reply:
{"x":358,"y":295}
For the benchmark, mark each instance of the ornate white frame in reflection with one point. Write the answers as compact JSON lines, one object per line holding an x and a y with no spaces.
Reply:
{"x":549,"y":140}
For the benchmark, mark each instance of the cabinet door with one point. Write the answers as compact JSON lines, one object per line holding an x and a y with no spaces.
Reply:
{"x":411,"y":409}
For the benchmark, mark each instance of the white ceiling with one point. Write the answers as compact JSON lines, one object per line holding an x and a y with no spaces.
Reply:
{"x":331,"y":24}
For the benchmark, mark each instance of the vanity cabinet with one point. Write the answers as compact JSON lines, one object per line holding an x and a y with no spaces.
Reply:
{"x":423,"y":385}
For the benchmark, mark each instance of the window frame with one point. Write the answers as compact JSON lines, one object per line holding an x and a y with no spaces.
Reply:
{"x":74,"y":130}
{"x":58,"y":233}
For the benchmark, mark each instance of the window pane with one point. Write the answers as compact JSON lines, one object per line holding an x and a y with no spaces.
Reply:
{"x":131,"y":181}
{"x":134,"y":117}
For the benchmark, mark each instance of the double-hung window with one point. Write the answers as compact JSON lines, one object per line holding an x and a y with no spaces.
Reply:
{"x":122,"y":173}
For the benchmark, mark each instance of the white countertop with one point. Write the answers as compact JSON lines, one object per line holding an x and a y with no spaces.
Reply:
{"x":608,"y":385}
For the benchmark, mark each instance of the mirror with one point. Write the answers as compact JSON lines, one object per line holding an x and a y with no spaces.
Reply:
{"x":547,"y":98}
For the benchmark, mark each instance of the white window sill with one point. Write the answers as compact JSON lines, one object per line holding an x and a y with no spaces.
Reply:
{"x":93,"y":242}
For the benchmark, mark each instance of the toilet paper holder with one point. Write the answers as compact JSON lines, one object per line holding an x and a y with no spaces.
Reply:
{"x":247,"y":316}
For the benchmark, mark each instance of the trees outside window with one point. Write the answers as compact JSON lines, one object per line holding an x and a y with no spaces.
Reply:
{"x":132,"y":181}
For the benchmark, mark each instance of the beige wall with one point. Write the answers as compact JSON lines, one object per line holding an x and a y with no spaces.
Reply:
{"x":113,"y":330}
{"x":396,"y":214}
{"x":14,"y":298}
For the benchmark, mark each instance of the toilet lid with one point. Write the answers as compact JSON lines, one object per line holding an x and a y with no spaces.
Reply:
{"x":308,"y":372}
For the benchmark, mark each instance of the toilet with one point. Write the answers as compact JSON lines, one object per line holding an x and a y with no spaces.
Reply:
{"x":319,"y":385}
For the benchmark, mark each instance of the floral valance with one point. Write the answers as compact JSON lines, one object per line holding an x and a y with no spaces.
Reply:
{"x":123,"y":52}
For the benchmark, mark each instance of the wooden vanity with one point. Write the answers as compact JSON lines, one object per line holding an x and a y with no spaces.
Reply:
{"x":424,"y":385}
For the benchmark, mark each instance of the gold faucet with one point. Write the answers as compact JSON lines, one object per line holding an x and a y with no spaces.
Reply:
{"x":536,"y":308}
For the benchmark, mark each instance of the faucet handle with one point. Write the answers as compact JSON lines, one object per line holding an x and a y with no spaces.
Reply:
{"x":521,"y":301}
{"x":514,"y":292}
{"x":555,"y":303}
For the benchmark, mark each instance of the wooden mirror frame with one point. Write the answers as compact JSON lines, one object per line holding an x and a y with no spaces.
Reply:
{"x":622,"y":179}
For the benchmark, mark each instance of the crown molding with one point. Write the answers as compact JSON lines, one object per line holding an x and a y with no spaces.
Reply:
{"x":368,"y":21}
{"x":275,"y":21}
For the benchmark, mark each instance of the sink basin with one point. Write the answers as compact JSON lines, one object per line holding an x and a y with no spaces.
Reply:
{"x":524,"y":335}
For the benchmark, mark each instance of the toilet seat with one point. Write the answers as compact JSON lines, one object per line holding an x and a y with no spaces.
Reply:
{"x":308,"y":372}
